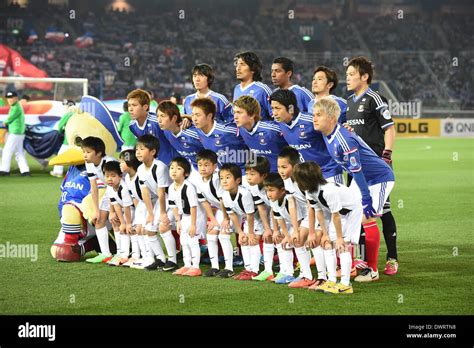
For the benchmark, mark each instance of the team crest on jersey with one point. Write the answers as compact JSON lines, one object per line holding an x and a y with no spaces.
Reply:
{"x":361,"y":108}
{"x":302,"y":133}
{"x":252,"y":91}
{"x":353,"y":161}
{"x":261,"y":139}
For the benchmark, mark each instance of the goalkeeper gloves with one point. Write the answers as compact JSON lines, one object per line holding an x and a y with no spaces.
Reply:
{"x":387,"y":156}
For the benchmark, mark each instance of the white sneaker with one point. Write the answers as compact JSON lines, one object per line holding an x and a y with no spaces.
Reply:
{"x":138,"y":264}
{"x":130,"y":262}
{"x":367,"y":275}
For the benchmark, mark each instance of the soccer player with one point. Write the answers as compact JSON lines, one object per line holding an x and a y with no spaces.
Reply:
{"x":224,"y":140}
{"x":284,"y":233}
{"x":16,"y":136}
{"x":369,"y":116}
{"x":129,"y":140}
{"x":248,"y":69}
{"x":145,"y":122}
{"x":324,"y":83}
{"x":210,"y":192}
{"x":282,"y":72}
{"x":129,"y":165}
{"x":185,"y":141}
{"x":189,"y":216}
{"x":203,"y":77}
{"x":256,"y":174}
{"x":298,"y":131}
{"x":120,"y":214}
{"x":287,"y":160}
{"x":154,"y":177}
{"x":239,"y":206}
{"x":371,"y":175}
{"x":339,"y":214}
{"x":264,"y":138}
{"x":94,"y":156}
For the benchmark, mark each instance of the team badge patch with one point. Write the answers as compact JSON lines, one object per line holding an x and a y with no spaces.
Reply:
{"x":353,"y":161}
{"x":386,"y":114}
{"x":361,"y":108}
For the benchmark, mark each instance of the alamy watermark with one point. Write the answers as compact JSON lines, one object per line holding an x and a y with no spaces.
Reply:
{"x":11,"y":250}
{"x":228,"y":155}
{"x":410,"y":108}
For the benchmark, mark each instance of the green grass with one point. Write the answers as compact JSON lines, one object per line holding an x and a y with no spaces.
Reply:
{"x":432,"y":203}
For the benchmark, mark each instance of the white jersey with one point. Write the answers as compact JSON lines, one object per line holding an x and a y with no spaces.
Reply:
{"x":294,"y":191}
{"x":281,"y":211}
{"x":242,"y":204}
{"x":259,"y":195}
{"x":121,"y":196}
{"x":184,"y":198}
{"x":96,"y":172}
{"x":333,"y":198}
{"x":133,"y":185}
{"x":154,"y":177}
{"x":210,"y":191}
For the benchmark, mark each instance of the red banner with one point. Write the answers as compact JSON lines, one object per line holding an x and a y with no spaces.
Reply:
{"x":12,"y":63}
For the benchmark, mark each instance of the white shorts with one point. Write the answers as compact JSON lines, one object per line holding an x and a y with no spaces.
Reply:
{"x":257,"y":230}
{"x":154,"y":227}
{"x":104,"y":204}
{"x":350,"y":224}
{"x":338,"y":179}
{"x":200,"y":226}
{"x":378,"y":192}
{"x":139,"y":218}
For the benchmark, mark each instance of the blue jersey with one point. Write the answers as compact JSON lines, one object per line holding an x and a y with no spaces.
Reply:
{"x":303,"y":97}
{"x":259,"y":91}
{"x":187,"y":143}
{"x":75,"y":187}
{"x":167,"y":152}
{"x":265,"y":139}
{"x":354,"y":155}
{"x":225,"y":141}
{"x":342,"y":104}
{"x":301,"y":135}
{"x":223,"y":111}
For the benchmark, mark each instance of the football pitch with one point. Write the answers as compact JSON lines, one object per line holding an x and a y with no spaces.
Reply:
{"x":433,"y":203}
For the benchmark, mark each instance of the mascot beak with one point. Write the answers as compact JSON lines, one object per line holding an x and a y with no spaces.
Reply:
{"x":73,"y":156}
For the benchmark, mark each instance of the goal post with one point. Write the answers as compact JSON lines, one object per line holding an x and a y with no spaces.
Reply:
{"x":53,"y":88}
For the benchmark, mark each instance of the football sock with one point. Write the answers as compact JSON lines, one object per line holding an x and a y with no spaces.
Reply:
{"x":227,"y":250}
{"x":346,"y":265}
{"x":330,"y":258}
{"x":117,"y":240}
{"x":372,"y":243}
{"x":135,"y":246}
{"x":304,"y":259}
{"x":390,"y":234}
{"x":246,"y":256}
{"x":281,"y":258}
{"x":124,"y":245}
{"x":170,"y":244}
{"x":184,"y":241}
{"x":156,"y":248}
{"x":288,"y":257}
{"x":255,"y":256}
{"x":103,"y":238}
{"x":195,"y":251}
{"x":268,"y":252}
{"x":213,"y":250}
{"x":142,"y":245}
{"x":318,"y":253}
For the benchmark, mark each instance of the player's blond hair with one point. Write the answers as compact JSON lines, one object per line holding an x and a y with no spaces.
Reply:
{"x":329,"y":106}
{"x":250,"y":105}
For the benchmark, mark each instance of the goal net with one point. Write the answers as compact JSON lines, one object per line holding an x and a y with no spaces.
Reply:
{"x":46,"y":88}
